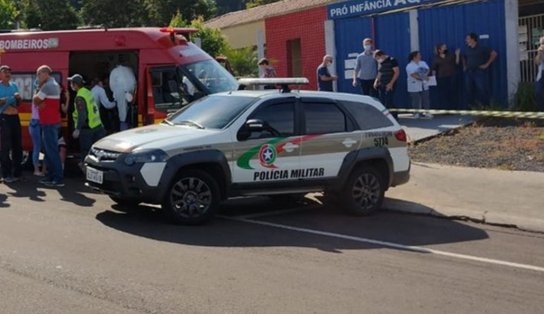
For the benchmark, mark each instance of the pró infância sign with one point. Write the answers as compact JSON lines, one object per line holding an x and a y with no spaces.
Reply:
{"x":364,"y":7}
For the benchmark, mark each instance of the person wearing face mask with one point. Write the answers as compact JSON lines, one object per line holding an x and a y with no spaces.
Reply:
{"x":385,"y":82}
{"x":444,"y":68}
{"x":366,"y":69}
{"x":324,"y":77}
{"x":87,"y":123}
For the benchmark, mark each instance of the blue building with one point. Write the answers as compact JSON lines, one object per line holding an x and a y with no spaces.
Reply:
{"x":401,"y":26}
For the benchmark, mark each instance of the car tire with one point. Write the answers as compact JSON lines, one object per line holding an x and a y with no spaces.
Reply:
{"x":192,"y":198}
{"x":364,"y":191}
{"x":125,"y":203}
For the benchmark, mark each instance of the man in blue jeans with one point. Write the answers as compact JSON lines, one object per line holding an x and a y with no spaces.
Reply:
{"x":48,"y":101}
{"x":11,"y":151}
{"x":476,"y":63}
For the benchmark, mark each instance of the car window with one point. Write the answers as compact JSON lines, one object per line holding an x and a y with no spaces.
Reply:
{"x":367,"y":116}
{"x":212,"y":112}
{"x":280,"y":119}
{"x":323,"y":118}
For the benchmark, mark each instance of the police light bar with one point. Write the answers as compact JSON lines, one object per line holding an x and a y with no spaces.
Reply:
{"x":274,"y":81}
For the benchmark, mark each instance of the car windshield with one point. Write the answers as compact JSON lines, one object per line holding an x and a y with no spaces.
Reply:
{"x":211,"y":112}
{"x":209,"y":76}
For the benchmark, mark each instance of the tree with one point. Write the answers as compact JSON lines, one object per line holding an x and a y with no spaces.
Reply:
{"x":243,"y":61}
{"x":212,"y":41}
{"x":49,"y":14}
{"x":8,"y":14}
{"x":226,"y":6}
{"x":161,"y":11}
{"x":178,"y":21}
{"x":255,"y":3}
{"x":115,"y":13}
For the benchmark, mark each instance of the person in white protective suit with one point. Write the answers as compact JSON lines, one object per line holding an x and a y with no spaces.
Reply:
{"x":123,"y":86}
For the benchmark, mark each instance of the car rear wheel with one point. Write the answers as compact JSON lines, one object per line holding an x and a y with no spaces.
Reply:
{"x":364,"y":192}
{"x":192,"y":198}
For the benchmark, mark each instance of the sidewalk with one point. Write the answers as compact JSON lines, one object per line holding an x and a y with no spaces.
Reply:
{"x":487,"y":195}
{"x":418,"y":129}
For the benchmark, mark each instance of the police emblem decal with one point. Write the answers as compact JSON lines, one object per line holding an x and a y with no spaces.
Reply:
{"x":267,"y":156}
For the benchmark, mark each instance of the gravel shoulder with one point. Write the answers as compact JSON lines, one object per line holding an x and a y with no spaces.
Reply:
{"x":508,"y":144}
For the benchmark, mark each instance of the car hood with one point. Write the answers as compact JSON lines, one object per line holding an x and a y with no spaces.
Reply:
{"x":153,"y":136}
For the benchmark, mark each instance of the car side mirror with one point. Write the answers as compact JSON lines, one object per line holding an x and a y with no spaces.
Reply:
{"x":251,"y":125}
{"x":255,"y":125}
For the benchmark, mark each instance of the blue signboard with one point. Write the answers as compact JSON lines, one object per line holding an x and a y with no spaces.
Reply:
{"x":364,"y":7}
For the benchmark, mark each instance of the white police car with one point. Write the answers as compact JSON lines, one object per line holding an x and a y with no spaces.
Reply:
{"x":265,"y":142}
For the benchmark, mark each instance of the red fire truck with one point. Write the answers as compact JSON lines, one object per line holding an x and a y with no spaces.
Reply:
{"x":169,"y":69}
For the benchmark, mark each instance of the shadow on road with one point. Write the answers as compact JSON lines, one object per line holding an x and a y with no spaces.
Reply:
{"x":405,"y":229}
{"x":30,"y":188}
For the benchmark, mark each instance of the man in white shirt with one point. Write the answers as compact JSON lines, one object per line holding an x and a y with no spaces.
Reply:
{"x":107,"y":107}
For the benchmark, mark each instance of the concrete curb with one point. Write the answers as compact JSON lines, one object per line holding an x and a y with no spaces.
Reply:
{"x":499,"y":197}
{"x":484,"y":217}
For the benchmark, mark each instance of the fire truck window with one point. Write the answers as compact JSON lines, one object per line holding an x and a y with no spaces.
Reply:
{"x":167,"y":90}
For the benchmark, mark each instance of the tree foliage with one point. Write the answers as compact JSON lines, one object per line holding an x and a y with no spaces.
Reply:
{"x":68,"y":14}
{"x":212,"y":40}
{"x":243,"y":61}
{"x":8,"y":14}
{"x":162,"y":11}
{"x":226,"y":6}
{"x":49,"y":14}
{"x":115,"y":13}
{"x":255,"y":3}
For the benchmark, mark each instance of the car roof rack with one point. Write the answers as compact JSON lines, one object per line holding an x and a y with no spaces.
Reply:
{"x":284,"y":82}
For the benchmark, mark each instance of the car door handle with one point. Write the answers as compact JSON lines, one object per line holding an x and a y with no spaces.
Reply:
{"x":289,"y":147}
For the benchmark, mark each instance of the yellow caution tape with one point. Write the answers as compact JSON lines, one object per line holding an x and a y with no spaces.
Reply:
{"x":483,"y":113}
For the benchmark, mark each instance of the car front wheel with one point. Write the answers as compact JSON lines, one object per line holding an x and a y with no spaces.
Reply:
{"x":192,"y":198}
{"x":364,"y":192}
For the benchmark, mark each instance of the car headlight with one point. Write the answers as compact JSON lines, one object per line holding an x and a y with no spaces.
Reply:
{"x":155,"y":155}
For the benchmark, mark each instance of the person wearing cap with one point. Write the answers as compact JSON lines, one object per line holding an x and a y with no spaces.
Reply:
{"x":87,"y":123}
{"x":11,"y":152}
{"x":47,"y":99}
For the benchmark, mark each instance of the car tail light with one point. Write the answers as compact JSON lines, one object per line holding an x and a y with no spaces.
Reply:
{"x":400,"y":135}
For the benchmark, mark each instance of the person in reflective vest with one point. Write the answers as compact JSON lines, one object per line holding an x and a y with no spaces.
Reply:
{"x":87,"y":124}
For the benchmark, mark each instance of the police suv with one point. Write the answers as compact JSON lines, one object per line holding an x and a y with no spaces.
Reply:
{"x":255,"y":142}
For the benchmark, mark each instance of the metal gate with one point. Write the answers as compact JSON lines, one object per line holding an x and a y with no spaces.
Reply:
{"x":531,"y":28}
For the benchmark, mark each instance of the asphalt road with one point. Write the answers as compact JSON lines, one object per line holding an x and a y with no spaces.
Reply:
{"x":70,"y":251}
